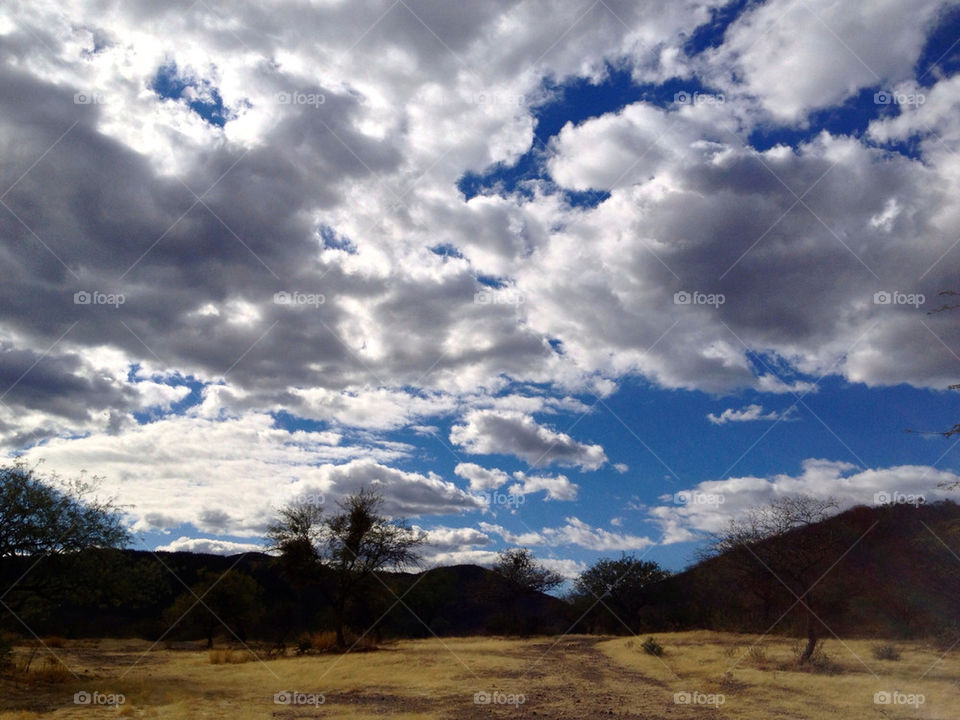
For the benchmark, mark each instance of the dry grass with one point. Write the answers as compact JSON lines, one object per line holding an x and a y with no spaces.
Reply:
{"x":231,"y":657}
{"x":574,"y":676}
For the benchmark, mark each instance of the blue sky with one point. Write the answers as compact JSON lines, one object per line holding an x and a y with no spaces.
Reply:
{"x":634,"y":269}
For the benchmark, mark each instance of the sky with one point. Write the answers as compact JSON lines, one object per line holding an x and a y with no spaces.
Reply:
{"x":586,"y":277}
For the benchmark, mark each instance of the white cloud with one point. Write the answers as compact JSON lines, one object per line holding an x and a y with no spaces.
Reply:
{"x":558,"y":487}
{"x":709,"y":506}
{"x":213,"y":547}
{"x":230,"y":475}
{"x":486,"y":432}
{"x":749,"y":413}
{"x":481,"y":478}
{"x":795,"y":56}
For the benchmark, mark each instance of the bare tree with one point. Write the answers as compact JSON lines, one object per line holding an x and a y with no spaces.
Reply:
{"x":787,"y":540}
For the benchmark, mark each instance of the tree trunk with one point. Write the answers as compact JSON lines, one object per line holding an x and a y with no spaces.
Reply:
{"x":811,"y":640}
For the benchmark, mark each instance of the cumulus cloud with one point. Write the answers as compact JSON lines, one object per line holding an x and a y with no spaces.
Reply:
{"x":206,"y":545}
{"x":231,"y":475}
{"x":481,"y":478}
{"x":798,"y":55}
{"x":558,"y":487}
{"x":709,"y":506}
{"x":201,"y":210}
{"x":486,"y":432}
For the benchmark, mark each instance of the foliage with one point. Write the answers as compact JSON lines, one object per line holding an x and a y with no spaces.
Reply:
{"x":523,"y":572}
{"x":44,"y":516}
{"x":652,"y":647}
{"x":352,"y":545}
{"x":611,"y":591}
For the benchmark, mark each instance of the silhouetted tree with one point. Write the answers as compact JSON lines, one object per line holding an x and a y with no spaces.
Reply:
{"x":517,"y":580}
{"x":41,"y":517}
{"x":353,"y":545}
{"x":612,"y":590}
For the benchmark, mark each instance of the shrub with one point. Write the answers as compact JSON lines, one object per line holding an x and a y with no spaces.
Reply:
{"x":47,"y":670}
{"x":820,"y":661}
{"x":54,"y":641}
{"x":757,"y":654}
{"x":652,"y":647}
{"x":886,"y":652}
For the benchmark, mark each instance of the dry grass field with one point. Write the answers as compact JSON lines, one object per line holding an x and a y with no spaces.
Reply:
{"x":699,"y":675}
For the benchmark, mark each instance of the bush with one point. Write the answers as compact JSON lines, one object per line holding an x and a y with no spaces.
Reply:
{"x":652,"y":647}
{"x":757,"y":654}
{"x":820,"y":661}
{"x":886,"y":652}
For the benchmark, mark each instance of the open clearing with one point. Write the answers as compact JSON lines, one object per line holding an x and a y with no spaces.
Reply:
{"x":722,"y":675}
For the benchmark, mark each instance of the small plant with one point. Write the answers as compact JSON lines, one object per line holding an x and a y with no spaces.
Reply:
{"x":652,"y":647}
{"x":819,"y":661}
{"x":54,"y":641}
{"x":886,"y":652}
{"x":757,"y":655}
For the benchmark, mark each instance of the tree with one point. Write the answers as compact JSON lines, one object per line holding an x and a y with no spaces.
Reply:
{"x":352,"y":545}
{"x":40,"y":517}
{"x":232,"y":599}
{"x":524,"y":573}
{"x":786,"y":541}
{"x":515,"y":588}
{"x":614,"y":589}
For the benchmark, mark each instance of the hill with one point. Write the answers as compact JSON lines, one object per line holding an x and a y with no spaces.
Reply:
{"x":891,"y":570}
